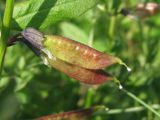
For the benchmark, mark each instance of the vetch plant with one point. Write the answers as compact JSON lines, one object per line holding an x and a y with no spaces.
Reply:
{"x":40,"y":14}
{"x":36,"y":92}
{"x":73,"y":58}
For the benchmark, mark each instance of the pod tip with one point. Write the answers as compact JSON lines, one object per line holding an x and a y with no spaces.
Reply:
{"x":118,"y":83}
{"x":122,"y":63}
{"x":129,"y":69}
{"x":120,"y":86}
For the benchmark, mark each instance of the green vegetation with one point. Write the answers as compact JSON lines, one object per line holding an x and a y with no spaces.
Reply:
{"x":29,"y":89}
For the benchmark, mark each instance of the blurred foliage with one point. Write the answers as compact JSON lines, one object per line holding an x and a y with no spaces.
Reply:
{"x":29,"y":89}
{"x":42,"y":13}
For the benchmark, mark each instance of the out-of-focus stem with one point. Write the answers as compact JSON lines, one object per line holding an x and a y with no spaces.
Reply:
{"x":89,"y":98}
{"x":6,"y":23}
{"x":112,"y":26}
{"x":141,"y":102}
{"x":127,"y":110}
{"x":111,"y":31}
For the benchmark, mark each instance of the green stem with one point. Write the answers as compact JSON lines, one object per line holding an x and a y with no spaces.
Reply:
{"x":5,"y":30}
{"x":89,"y":98}
{"x":91,"y":35}
{"x":112,"y":27}
{"x":111,"y":31}
{"x":126,"y":110}
{"x":141,"y":102}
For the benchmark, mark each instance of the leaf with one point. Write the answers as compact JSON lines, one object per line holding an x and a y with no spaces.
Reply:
{"x":43,"y":13}
{"x":3,"y":82}
{"x":69,"y":28}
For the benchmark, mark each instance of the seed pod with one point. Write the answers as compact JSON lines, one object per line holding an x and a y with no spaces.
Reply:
{"x":76,"y":53}
{"x":74,"y":59}
{"x":83,"y":114}
{"x":83,"y":75}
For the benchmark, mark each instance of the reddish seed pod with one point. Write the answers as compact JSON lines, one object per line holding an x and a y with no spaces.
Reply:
{"x":73,"y":58}
{"x":83,"y":114}
{"x":92,"y":77}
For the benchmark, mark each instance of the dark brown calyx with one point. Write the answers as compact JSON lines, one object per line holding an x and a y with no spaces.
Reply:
{"x":33,"y":39}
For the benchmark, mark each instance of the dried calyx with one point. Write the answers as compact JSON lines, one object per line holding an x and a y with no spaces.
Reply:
{"x":33,"y":39}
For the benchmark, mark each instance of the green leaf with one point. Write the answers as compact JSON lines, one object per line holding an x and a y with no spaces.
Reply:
{"x":3,"y":82}
{"x":79,"y":35}
{"x":43,"y":13}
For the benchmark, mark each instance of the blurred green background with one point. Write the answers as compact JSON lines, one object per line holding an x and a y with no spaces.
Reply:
{"x":29,"y":89}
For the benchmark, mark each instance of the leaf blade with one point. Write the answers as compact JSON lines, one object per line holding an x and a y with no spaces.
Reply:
{"x":43,"y":13}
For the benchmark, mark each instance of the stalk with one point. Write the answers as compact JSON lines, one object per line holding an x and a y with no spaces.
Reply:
{"x":150,"y":108}
{"x":6,"y":23}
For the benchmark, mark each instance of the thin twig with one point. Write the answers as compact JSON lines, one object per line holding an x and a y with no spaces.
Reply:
{"x":141,"y":102}
{"x":127,"y":110}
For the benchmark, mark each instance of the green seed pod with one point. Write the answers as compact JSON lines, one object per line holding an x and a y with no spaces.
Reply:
{"x":77,"y":53}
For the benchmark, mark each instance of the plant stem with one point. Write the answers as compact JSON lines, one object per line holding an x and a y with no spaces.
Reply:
{"x":126,"y":110}
{"x":91,"y":35}
{"x":111,"y":32}
{"x":112,"y":27}
{"x":89,"y":98}
{"x":6,"y":23}
{"x":141,"y":102}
